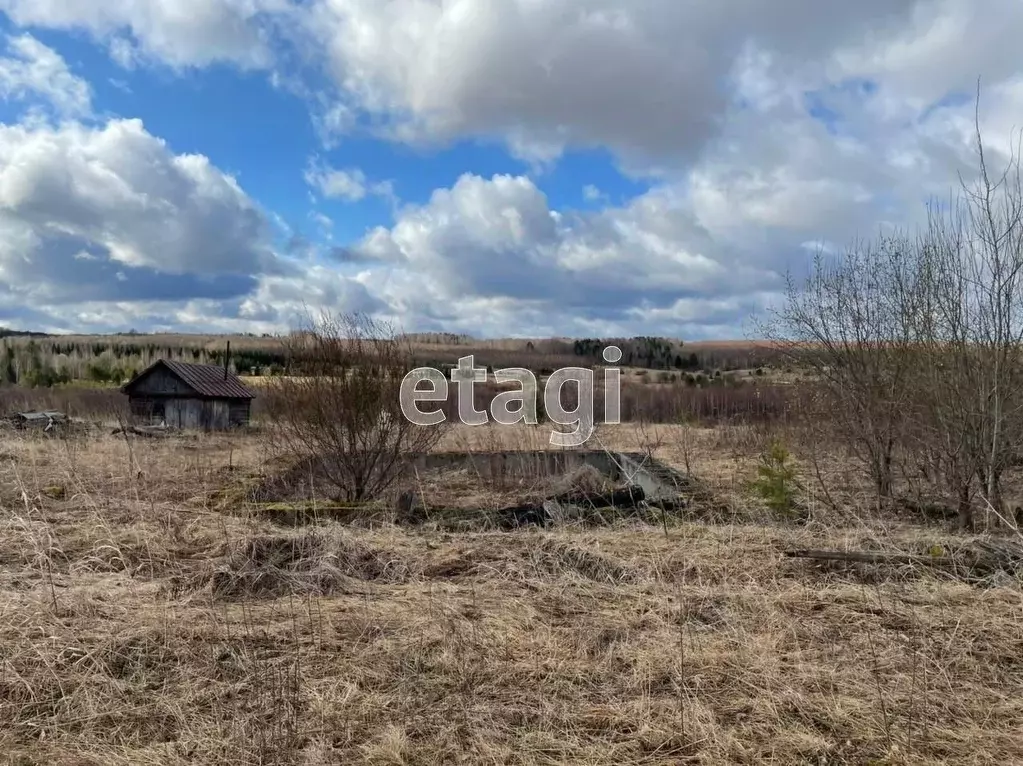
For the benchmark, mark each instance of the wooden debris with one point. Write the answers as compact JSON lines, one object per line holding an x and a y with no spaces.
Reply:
{"x":152,"y":432}
{"x":629,"y":497}
{"x":554,"y":508}
{"x":980,"y":558}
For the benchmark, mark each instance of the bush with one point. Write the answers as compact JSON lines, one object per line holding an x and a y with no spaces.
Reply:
{"x":341,"y":411}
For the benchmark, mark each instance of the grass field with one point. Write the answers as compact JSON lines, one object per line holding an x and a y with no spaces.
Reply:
{"x":149,"y":614}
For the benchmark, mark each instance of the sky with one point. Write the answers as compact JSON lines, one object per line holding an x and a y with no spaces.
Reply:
{"x":492,"y":167}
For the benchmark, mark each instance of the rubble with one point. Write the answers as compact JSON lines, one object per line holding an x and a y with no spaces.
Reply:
{"x":568,"y":504}
{"x":47,"y":420}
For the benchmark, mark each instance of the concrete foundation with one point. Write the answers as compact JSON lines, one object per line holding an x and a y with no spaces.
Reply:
{"x":659,"y":481}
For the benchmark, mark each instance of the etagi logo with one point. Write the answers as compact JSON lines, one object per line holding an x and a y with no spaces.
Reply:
{"x":517,"y":406}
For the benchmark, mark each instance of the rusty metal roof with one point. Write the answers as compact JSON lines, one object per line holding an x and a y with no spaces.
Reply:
{"x":204,"y":379}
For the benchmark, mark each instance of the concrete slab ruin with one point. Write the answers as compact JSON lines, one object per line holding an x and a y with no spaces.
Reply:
{"x":502,"y":489}
{"x":658,"y":481}
{"x":641,"y":483}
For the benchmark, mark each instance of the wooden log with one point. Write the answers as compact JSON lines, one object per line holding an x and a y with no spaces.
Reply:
{"x":874,"y":557}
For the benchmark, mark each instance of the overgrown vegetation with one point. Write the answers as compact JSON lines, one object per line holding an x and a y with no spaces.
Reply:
{"x":160,"y":606}
{"x":144,"y":624}
{"x":915,"y":344}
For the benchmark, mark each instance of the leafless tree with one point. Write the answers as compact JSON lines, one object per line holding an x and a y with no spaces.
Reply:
{"x":972,"y":255}
{"x":338,"y":408}
{"x":994,"y":277}
{"x":917,"y":343}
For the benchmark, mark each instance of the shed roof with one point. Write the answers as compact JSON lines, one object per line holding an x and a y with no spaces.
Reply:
{"x":204,"y":379}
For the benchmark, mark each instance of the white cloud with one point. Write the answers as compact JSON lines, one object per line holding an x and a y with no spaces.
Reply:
{"x":32,"y":70}
{"x":79,"y":204}
{"x":175,"y":32}
{"x":643,"y":78}
{"x":326,"y":224}
{"x":348,"y":184}
{"x":701,"y":252}
{"x":945,"y":46}
{"x":488,"y":251}
{"x":343,"y":184}
{"x":333,"y":120}
{"x":646,"y":79}
{"x":766,"y":126}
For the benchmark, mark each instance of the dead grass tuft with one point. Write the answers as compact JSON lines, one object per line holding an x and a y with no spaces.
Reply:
{"x":312,"y":563}
{"x":552,"y":558}
{"x":585,"y":478}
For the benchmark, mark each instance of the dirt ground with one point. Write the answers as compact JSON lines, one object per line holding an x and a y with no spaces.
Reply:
{"x":144,"y":619}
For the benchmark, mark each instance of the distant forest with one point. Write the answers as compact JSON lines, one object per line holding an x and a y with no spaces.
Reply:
{"x":40,"y":360}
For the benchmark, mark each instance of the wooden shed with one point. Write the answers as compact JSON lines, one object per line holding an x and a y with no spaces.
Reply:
{"x":182,"y":395}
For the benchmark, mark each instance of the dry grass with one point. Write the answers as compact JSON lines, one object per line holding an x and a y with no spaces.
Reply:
{"x":140,"y":625}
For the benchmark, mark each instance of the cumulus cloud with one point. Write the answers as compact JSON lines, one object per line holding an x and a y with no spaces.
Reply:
{"x":651,"y":80}
{"x":31,"y":70}
{"x":284,"y":300}
{"x":103,"y":226}
{"x":765,"y":126}
{"x":80,"y":205}
{"x":644,"y":78}
{"x":701,"y":252}
{"x":944,"y":47}
{"x":494,"y":245}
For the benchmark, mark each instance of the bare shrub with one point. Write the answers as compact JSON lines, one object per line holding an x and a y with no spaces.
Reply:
{"x":339,"y":406}
{"x":973,"y":331}
{"x":848,"y":323}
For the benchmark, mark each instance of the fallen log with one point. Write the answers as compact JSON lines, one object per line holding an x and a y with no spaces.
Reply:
{"x":872,"y":557}
{"x":152,"y":432}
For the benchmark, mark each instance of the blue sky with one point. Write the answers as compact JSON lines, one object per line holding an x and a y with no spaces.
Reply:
{"x":579,"y":167}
